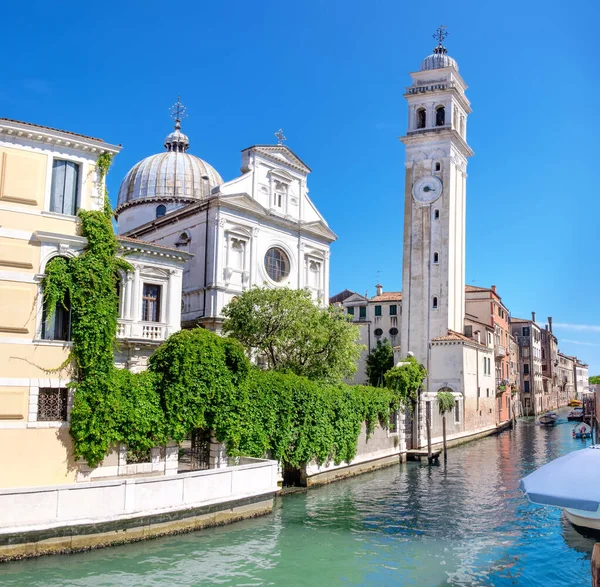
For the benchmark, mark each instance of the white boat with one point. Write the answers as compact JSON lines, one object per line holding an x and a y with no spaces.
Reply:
{"x":582,"y":430}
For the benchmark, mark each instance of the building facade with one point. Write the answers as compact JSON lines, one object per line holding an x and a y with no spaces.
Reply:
{"x":529,"y":337}
{"x":551,"y":398}
{"x":260,"y":228}
{"x":46,"y":176}
{"x":566,"y":377}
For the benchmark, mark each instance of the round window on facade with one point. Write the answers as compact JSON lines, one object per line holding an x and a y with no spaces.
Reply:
{"x":277,"y":264}
{"x":378,"y":332}
{"x":393,"y":332}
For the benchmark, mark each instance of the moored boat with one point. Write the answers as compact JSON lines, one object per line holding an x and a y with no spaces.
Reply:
{"x":548,"y":419}
{"x":575,"y":403}
{"x":582,"y":430}
{"x":575,"y":415}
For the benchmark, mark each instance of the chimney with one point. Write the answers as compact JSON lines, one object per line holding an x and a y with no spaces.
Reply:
{"x":379,"y":289}
{"x":550,"y":322}
{"x":533,"y":317}
{"x":494,"y":288}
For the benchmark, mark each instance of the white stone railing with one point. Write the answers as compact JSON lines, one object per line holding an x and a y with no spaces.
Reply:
{"x":32,"y":508}
{"x":141,"y":330}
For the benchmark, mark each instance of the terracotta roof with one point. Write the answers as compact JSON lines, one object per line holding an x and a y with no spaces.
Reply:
{"x":456,"y":336}
{"x":476,"y":288}
{"x":51,"y":128}
{"x":513,"y":319}
{"x":388,"y":296}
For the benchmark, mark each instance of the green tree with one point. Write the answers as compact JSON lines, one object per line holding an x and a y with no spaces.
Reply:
{"x":406,"y":379}
{"x":292,"y":334}
{"x":379,"y":362}
{"x":595,"y":379}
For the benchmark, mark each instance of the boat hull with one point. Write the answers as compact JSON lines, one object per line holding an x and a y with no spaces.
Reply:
{"x":582,"y":521}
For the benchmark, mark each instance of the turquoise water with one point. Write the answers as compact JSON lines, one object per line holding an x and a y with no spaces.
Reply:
{"x":466,"y":523}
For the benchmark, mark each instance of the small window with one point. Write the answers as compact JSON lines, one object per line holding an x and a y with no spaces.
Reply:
{"x":487,"y":392}
{"x":526,"y":369}
{"x":440,"y":116}
{"x":421,"y":118}
{"x":351,"y":310}
{"x":377,"y":310}
{"x":456,"y":411}
{"x":526,"y":386}
{"x":436,"y":215}
{"x":436,"y":258}
{"x":378,"y":332}
{"x":151,"y":303}
{"x":393,"y":332}
{"x":438,"y":166}
{"x":434,"y":304}
{"x":525,"y":330}
{"x":52,"y":404}
{"x":161,"y":210}
{"x":362,"y":312}
{"x":65,"y":187}
{"x":393,"y":310}
{"x":393,"y":428}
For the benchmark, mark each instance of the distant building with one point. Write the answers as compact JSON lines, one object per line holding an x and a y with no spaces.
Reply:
{"x":552,"y":397}
{"x":582,"y":383}
{"x":566,"y":377}
{"x":529,"y":337}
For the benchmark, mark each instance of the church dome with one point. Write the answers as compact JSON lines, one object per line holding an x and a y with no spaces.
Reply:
{"x":174,"y":175}
{"x":438,"y":59}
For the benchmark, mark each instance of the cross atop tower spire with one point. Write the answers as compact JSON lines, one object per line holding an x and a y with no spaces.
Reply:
{"x":178,"y":112}
{"x":280,"y":137}
{"x":440,"y":34}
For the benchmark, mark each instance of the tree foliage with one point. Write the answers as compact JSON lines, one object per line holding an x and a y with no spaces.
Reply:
{"x":445,"y":401}
{"x":406,"y":379}
{"x":379,"y":362}
{"x":595,"y":379}
{"x":293,"y":334}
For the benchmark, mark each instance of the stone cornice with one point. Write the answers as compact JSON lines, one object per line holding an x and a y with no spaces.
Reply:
{"x":14,"y":129}
{"x":416,"y":137}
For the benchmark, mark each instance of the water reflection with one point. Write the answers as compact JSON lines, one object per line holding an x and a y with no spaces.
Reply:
{"x":463,"y":523}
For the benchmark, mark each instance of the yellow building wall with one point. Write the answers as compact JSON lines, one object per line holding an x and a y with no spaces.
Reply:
{"x":37,"y":456}
{"x":22,"y":177}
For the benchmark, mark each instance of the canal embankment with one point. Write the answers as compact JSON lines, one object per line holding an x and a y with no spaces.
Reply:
{"x":68,"y":518}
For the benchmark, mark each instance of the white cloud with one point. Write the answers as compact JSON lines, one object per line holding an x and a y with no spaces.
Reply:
{"x":579,"y":342}
{"x":580,"y":327}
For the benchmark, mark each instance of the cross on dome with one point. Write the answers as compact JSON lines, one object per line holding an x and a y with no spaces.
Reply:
{"x":440,"y":35}
{"x":178,"y":112}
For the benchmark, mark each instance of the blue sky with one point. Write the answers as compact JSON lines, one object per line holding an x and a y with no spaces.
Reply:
{"x":332,"y":74}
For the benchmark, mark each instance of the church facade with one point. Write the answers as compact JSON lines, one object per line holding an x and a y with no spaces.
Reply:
{"x":260,"y":228}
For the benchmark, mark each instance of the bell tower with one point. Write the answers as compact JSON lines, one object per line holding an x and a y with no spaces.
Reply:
{"x":433,"y":275}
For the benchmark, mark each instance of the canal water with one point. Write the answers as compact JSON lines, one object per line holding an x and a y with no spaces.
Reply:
{"x":465,"y":523}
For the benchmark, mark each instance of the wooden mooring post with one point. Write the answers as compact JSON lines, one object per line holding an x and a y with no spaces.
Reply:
{"x":444,"y":433}
{"x":596,"y":565}
{"x":428,"y":424}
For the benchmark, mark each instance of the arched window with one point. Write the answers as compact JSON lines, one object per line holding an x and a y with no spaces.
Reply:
{"x":161,"y":210}
{"x":56,"y":320}
{"x":436,"y":258}
{"x":438,"y":166}
{"x":421,"y":118}
{"x":436,"y":215}
{"x":440,"y":116}
{"x":434,"y":303}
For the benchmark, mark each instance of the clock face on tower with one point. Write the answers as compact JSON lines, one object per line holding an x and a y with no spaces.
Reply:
{"x":427,"y":189}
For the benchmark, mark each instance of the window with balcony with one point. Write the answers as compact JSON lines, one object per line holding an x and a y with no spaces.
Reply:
{"x":151,"y":302}
{"x":64,"y":190}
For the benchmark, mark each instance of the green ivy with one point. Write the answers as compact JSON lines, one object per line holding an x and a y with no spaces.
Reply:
{"x":445,"y":401}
